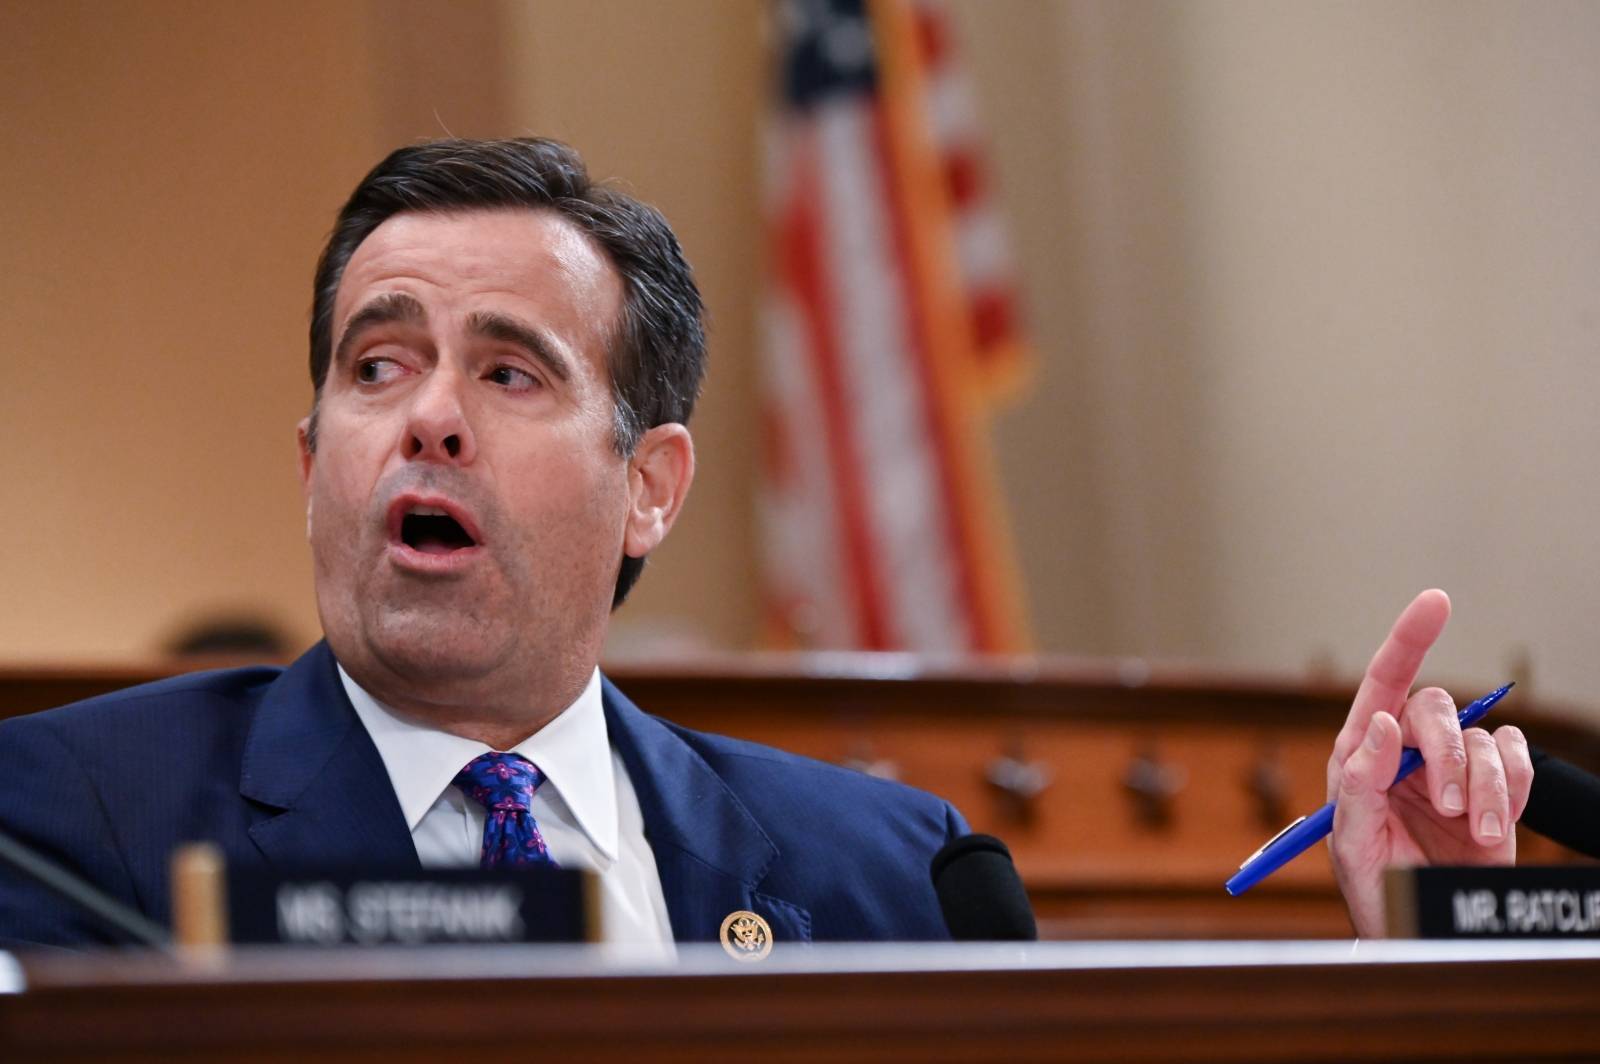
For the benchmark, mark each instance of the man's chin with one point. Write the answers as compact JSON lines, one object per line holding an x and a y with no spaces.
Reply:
{"x":429,"y":655}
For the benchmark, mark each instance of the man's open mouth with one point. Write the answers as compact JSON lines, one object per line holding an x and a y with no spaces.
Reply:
{"x":432,"y":531}
{"x":431,"y":527}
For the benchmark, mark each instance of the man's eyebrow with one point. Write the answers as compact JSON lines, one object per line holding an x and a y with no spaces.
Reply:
{"x":509,"y":330}
{"x":389,"y":307}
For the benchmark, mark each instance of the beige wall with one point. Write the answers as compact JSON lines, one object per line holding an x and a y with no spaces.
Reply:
{"x":1313,"y":287}
{"x":168,"y":172}
{"x":1318,"y":294}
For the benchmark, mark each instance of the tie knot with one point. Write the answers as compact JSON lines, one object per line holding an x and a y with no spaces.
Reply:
{"x":499,"y":781}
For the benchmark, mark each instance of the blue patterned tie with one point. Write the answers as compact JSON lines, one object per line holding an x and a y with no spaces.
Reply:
{"x":504,"y":784}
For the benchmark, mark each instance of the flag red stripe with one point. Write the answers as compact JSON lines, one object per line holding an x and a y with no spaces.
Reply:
{"x":933,"y":37}
{"x":993,"y":319}
{"x":963,"y":177}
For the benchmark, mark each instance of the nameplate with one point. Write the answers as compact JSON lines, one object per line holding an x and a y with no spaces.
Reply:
{"x":412,"y":908}
{"x":1559,"y":901}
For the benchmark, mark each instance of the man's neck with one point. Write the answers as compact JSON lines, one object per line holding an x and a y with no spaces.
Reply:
{"x":473,"y":710}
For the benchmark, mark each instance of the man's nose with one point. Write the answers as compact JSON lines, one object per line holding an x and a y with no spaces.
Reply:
{"x":437,"y":427}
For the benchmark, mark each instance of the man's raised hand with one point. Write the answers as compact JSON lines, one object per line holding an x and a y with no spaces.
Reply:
{"x":1460,"y":808}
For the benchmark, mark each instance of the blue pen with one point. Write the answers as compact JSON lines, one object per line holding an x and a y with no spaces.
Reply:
{"x":1304,"y":833}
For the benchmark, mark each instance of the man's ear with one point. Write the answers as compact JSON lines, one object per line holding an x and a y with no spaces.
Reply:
{"x":308,"y":457}
{"x":659,"y":474}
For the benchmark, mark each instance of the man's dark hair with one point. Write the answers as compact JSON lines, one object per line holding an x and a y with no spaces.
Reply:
{"x":657,"y":349}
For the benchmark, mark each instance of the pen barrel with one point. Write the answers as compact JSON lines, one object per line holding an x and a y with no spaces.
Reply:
{"x":1283,"y":849}
{"x":1410,"y":761}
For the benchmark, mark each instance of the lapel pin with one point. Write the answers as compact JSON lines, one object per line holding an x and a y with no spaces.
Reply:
{"x":746,"y":936}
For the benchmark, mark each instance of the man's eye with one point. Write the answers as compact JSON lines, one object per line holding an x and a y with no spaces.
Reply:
{"x":377,"y":370}
{"x":517,"y":380}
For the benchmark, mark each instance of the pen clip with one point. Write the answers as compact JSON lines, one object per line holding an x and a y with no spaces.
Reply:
{"x":1265,"y":846}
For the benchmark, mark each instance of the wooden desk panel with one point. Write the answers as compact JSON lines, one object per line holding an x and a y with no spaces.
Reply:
{"x":1160,"y":1002}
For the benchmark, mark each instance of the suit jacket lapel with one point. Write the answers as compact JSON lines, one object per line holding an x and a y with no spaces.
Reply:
{"x":308,"y":757}
{"x":710,"y":852}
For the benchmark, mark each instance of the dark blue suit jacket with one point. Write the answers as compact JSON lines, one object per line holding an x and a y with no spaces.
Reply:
{"x":274,"y":766}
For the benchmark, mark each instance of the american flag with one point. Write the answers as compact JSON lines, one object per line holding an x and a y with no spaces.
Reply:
{"x":890,"y":333}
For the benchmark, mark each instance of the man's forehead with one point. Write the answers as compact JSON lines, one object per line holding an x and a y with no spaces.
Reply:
{"x":535,"y":253}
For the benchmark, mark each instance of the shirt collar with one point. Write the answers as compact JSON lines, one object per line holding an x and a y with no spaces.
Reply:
{"x":573,"y":751}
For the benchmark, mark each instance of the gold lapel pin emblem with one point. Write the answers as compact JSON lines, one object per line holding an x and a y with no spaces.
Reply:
{"x":746,"y":936}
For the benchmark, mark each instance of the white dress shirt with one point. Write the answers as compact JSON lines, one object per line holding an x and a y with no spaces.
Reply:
{"x":586,"y":807}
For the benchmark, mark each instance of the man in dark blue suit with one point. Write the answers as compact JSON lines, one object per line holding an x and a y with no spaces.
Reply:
{"x":504,"y":356}
{"x":276,"y":768}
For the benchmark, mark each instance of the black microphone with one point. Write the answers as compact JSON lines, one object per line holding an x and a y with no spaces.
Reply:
{"x":1564,"y":804}
{"x":980,"y":893}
